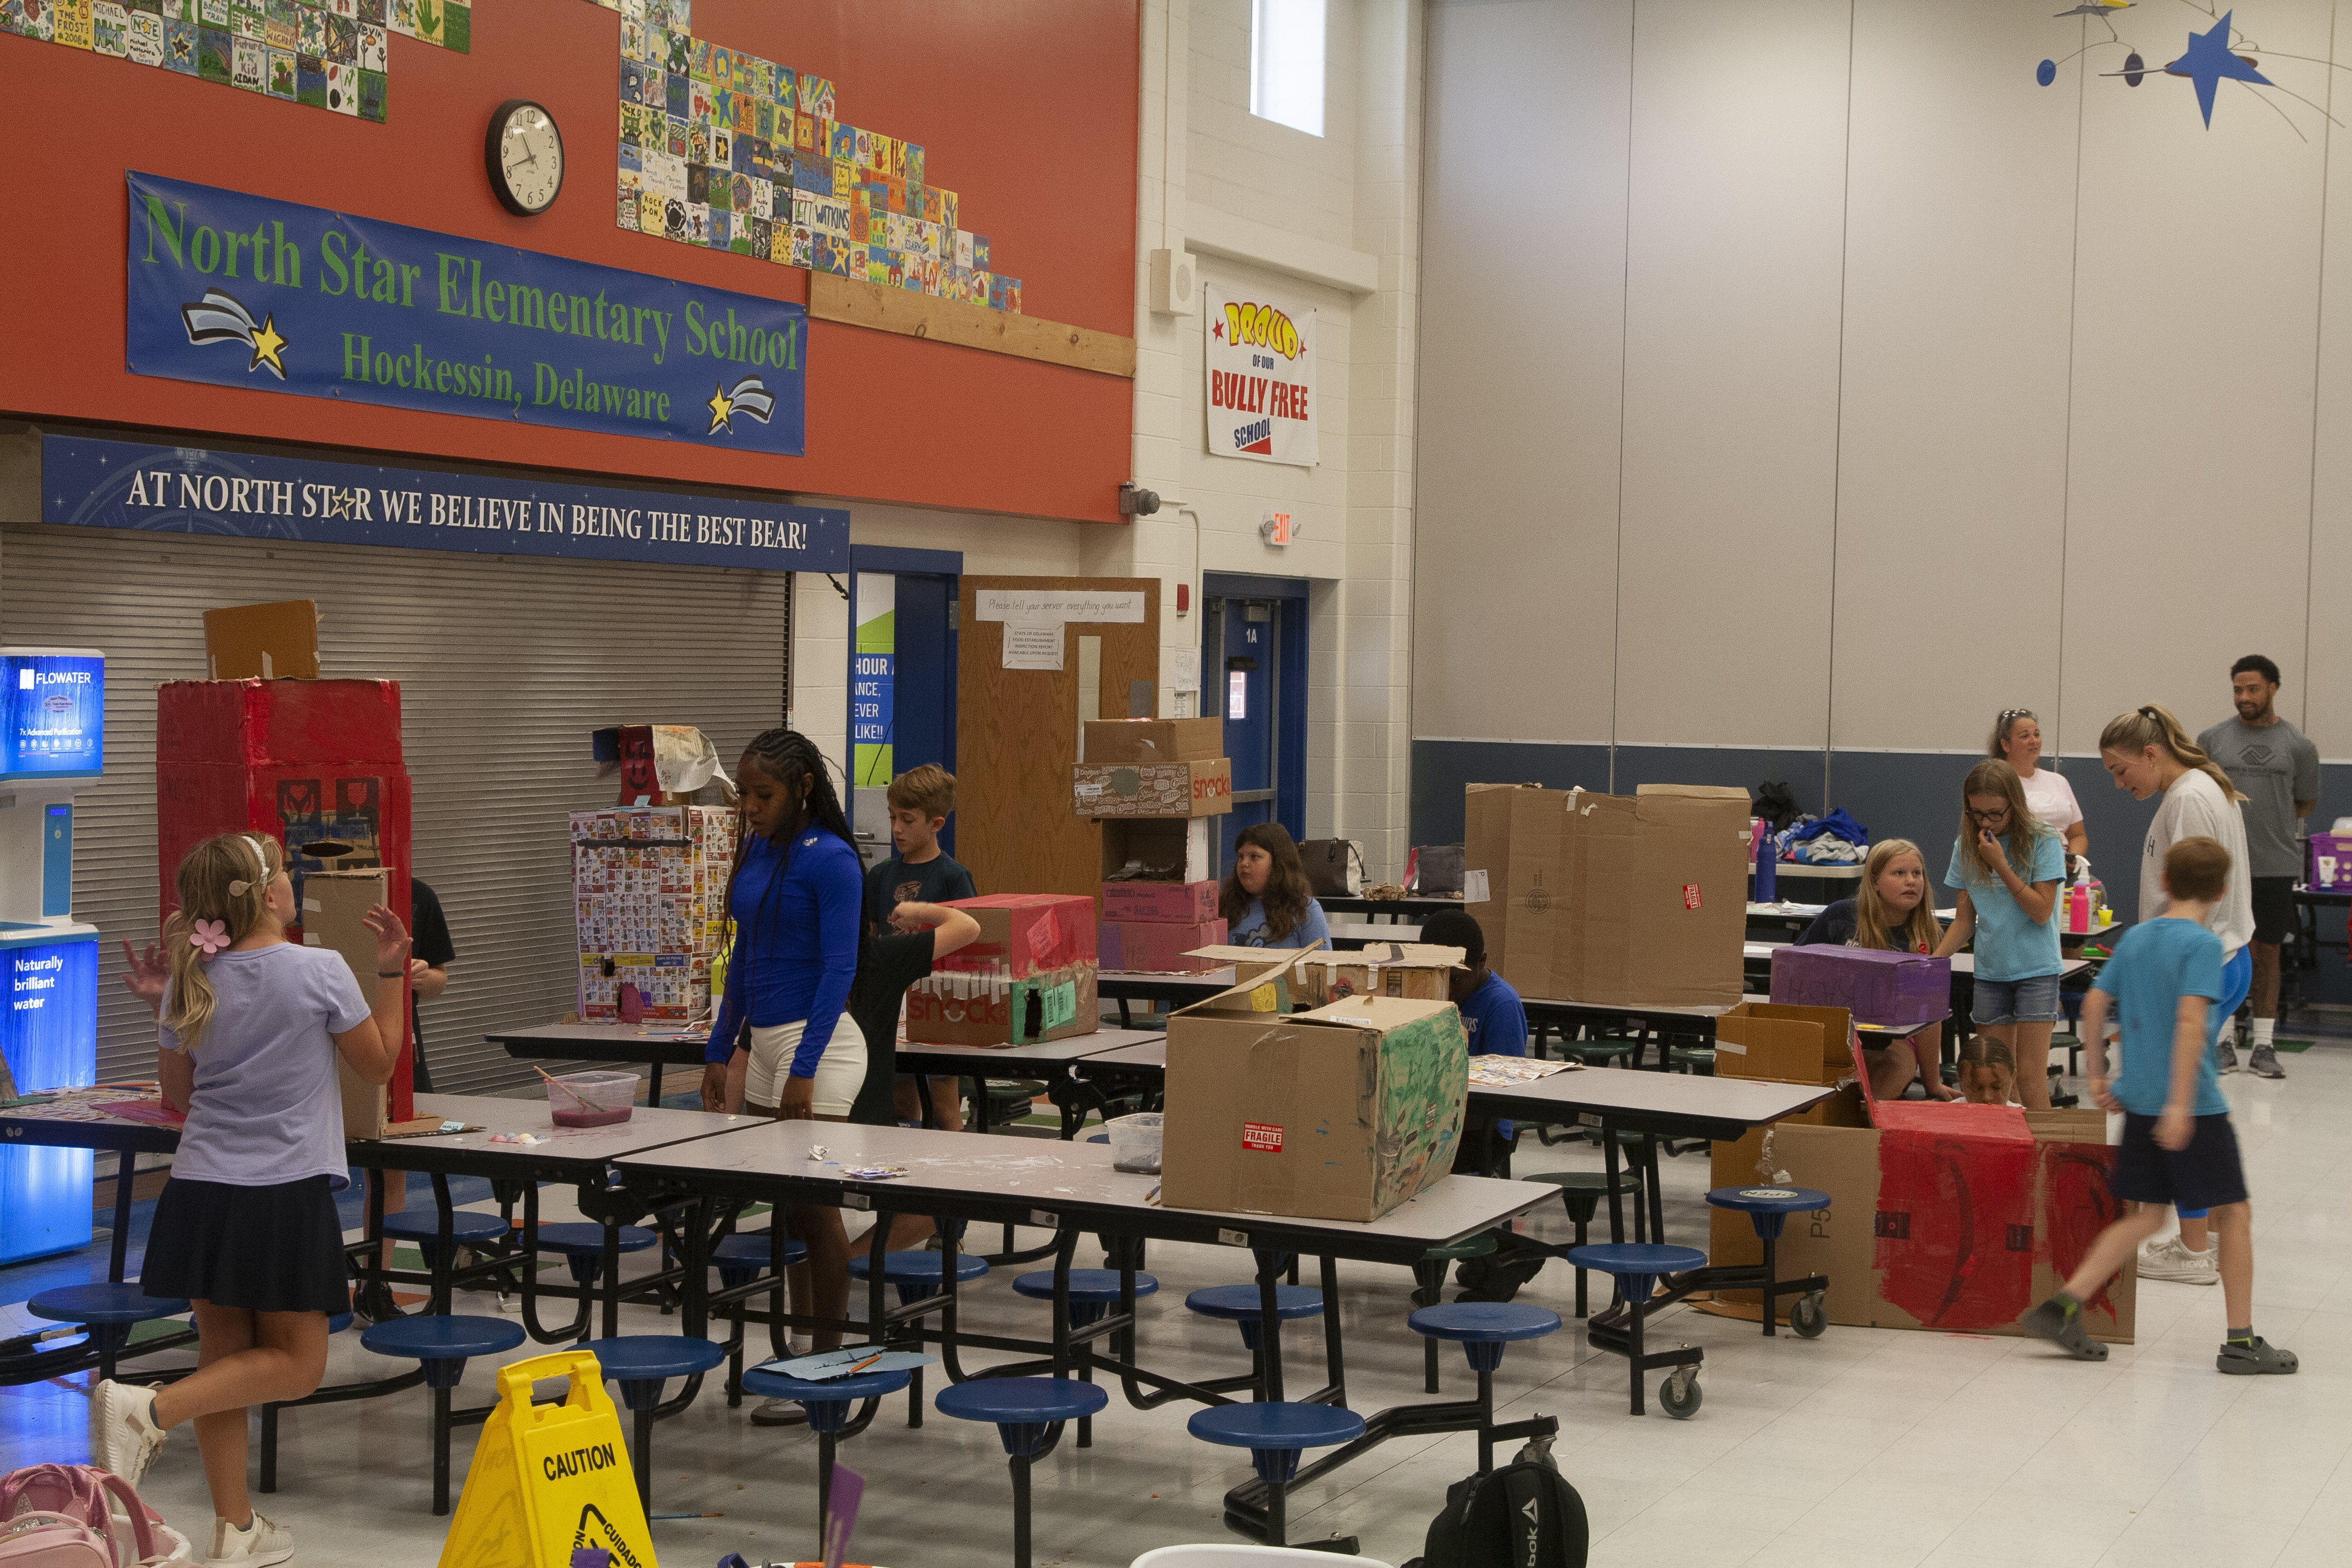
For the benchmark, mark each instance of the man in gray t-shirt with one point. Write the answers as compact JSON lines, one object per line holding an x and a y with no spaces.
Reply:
{"x":2277,"y":770}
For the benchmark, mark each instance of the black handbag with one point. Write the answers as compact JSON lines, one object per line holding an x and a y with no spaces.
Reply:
{"x":1327,"y":867}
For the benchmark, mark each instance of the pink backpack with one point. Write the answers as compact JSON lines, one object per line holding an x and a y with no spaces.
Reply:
{"x":77,"y":1516}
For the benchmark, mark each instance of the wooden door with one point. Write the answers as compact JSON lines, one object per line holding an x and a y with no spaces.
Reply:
{"x":1017,"y":729}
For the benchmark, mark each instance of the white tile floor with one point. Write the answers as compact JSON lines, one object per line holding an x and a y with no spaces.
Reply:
{"x":1865,"y":1447}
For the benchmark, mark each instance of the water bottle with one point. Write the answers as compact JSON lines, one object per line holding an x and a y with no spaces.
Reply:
{"x":1767,"y":889}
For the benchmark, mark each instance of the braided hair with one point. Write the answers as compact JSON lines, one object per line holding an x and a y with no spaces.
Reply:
{"x":793,"y":760}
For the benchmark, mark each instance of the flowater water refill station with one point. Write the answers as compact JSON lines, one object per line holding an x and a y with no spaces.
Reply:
{"x":52,"y":747}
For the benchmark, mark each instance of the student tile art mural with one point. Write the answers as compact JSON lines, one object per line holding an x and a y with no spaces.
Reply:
{"x":330,"y":54}
{"x":722,"y":149}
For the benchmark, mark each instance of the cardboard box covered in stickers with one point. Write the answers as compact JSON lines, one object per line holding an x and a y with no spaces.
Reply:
{"x":1030,"y":976}
{"x":1342,"y":1113}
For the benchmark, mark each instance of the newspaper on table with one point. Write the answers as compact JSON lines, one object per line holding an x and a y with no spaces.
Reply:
{"x":1502,"y":1072}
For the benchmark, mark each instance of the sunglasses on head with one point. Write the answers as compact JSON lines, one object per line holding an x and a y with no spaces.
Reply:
{"x":2009,"y":713}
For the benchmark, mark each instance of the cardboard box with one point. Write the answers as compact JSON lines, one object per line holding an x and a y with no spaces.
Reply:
{"x":1029,"y":976}
{"x":1157,"y":947}
{"x":1895,"y":989}
{"x":1596,"y":897}
{"x":1784,"y":1044}
{"x":2330,"y":861}
{"x":1947,"y":1232}
{"x":1138,"y":740}
{"x":263,"y":642}
{"x":1157,"y":849}
{"x":971,"y":1008}
{"x":1165,"y":903}
{"x":1339,"y":1113}
{"x":649,"y":889}
{"x":334,"y":906}
{"x":240,"y":722}
{"x":1418,"y":972}
{"x":1198,"y":788}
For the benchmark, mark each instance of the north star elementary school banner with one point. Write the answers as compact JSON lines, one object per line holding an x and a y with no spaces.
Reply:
{"x":240,"y":290}
{"x":1261,"y":378}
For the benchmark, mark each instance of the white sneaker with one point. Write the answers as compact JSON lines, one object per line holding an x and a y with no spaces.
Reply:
{"x":123,"y":1436}
{"x":2169,"y":1260}
{"x":256,"y":1546}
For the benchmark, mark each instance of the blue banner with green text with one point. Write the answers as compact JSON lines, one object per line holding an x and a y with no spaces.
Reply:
{"x":242,"y":290}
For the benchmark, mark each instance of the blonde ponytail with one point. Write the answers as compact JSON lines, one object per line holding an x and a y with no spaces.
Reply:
{"x":216,"y":881}
{"x":2154,"y":725}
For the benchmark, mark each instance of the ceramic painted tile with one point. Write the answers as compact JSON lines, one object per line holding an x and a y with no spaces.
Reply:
{"x":375,"y":95}
{"x":310,"y":80}
{"x":144,"y":38}
{"x":214,"y":49}
{"x":248,"y":66}
{"x":374,"y":50}
{"x":343,"y":88}
{"x":109,"y":28}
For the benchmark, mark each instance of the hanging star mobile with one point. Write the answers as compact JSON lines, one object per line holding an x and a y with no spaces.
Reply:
{"x":2209,"y":58}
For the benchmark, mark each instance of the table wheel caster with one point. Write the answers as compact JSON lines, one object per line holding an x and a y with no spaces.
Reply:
{"x":1680,"y":1395}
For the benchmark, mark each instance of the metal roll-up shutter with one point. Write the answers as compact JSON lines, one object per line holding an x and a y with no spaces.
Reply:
{"x":506,"y":663}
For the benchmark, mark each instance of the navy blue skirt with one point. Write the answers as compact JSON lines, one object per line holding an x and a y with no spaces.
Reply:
{"x":267,"y":1250}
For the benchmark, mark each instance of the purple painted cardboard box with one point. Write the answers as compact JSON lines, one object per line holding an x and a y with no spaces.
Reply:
{"x":1897,"y":989}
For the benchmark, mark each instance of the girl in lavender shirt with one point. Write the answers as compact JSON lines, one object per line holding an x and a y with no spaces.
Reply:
{"x":247,"y":1228}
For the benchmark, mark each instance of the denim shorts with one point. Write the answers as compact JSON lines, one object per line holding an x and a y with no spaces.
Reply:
{"x":2034,"y":1001}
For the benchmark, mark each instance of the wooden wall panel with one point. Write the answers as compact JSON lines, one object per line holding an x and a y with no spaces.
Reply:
{"x":1018,"y":738}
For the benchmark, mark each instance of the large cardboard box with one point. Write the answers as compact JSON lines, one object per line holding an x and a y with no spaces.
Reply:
{"x":1157,"y":849}
{"x":334,"y":907}
{"x":263,"y":642}
{"x":1343,"y":1112}
{"x":1895,"y":989}
{"x":1134,"y":741}
{"x":1164,"y":903}
{"x":1156,"y":946}
{"x":1198,"y":788}
{"x":1031,"y":975}
{"x":1419,"y":972}
{"x":1596,"y":897}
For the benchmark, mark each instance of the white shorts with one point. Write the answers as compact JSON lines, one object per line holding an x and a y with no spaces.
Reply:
{"x":840,"y":1072}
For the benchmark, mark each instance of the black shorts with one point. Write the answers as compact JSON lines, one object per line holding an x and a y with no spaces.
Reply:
{"x":2205,"y":1175}
{"x":2273,"y":900}
{"x":266,"y":1249}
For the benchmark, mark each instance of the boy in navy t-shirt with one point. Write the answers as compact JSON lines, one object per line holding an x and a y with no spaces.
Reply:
{"x":1495,"y":1023}
{"x":922,"y":799}
{"x":2177,"y":1147}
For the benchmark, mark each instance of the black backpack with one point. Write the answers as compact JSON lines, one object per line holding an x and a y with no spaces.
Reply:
{"x":1498,"y":1276}
{"x":1525,"y":1515}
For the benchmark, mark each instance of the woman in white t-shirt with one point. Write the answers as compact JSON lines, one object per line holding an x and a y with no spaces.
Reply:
{"x":2017,"y":741}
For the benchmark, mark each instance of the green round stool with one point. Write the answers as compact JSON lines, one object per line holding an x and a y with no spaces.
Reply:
{"x":1698,"y":1059}
{"x":1599,"y":1053}
{"x":1009,"y":1100}
{"x":1429,"y":1280}
{"x":1582,"y":1192}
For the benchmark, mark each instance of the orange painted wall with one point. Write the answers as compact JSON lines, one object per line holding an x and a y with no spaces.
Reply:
{"x":1026,"y":108}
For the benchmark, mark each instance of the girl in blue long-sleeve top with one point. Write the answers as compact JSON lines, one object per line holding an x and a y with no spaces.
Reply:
{"x":783,"y":1022}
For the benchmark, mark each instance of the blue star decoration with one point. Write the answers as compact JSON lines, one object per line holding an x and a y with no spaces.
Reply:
{"x":2209,"y":62}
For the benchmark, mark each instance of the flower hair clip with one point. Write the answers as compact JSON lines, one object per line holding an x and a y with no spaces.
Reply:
{"x":210,"y":936}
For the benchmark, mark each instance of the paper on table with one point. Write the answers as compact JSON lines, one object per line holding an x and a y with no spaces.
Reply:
{"x":1032,"y":646}
{"x":1502,"y":1072}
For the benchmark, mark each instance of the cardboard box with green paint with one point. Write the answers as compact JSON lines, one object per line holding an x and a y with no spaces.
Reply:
{"x":1030,"y":976}
{"x":1343,"y":1112}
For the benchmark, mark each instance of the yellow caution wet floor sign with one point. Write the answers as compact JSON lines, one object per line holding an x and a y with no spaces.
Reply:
{"x":550,"y":1480}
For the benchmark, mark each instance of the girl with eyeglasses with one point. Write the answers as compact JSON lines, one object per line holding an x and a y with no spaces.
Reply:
{"x":2007,"y":864}
{"x":2017,"y":741}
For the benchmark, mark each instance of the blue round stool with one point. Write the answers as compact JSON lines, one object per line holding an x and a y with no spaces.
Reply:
{"x":918,"y":1274}
{"x":1636,"y":1267}
{"x":828,"y":1404}
{"x":741,"y":1259}
{"x":640,"y":1363}
{"x":106,"y":1310}
{"x":1093,"y":1293}
{"x":581,"y":1245}
{"x":1241,"y":1304}
{"x":1769,"y":1208}
{"x":444,"y":1344}
{"x":1274,"y":1431}
{"x":1482,"y":1329}
{"x":1028,"y":1412}
{"x":467,"y":1227}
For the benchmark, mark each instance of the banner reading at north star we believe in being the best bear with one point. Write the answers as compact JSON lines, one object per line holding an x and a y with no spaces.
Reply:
{"x":242,"y":290}
{"x":1261,"y":377}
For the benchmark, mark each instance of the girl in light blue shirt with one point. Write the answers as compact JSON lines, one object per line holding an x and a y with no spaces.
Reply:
{"x":1267,"y":901}
{"x":2007,"y":864}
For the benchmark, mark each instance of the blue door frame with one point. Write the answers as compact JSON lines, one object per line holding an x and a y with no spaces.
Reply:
{"x":919,"y":722}
{"x":1268,"y":743}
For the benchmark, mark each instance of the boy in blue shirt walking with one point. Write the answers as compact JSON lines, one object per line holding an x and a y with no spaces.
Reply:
{"x":2178,"y":1146}
{"x":1493,"y":1018}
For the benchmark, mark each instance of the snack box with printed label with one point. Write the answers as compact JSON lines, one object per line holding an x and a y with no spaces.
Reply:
{"x":991,"y":1007}
{"x":1198,"y":788}
{"x":1342,"y":1113}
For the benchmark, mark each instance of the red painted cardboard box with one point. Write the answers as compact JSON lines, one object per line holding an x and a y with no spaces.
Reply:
{"x":1155,"y":947}
{"x":299,"y":761}
{"x":1165,"y":903}
{"x":1030,"y":976}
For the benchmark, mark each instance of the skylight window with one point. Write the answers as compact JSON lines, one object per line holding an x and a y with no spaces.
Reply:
{"x":1287,"y":63}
